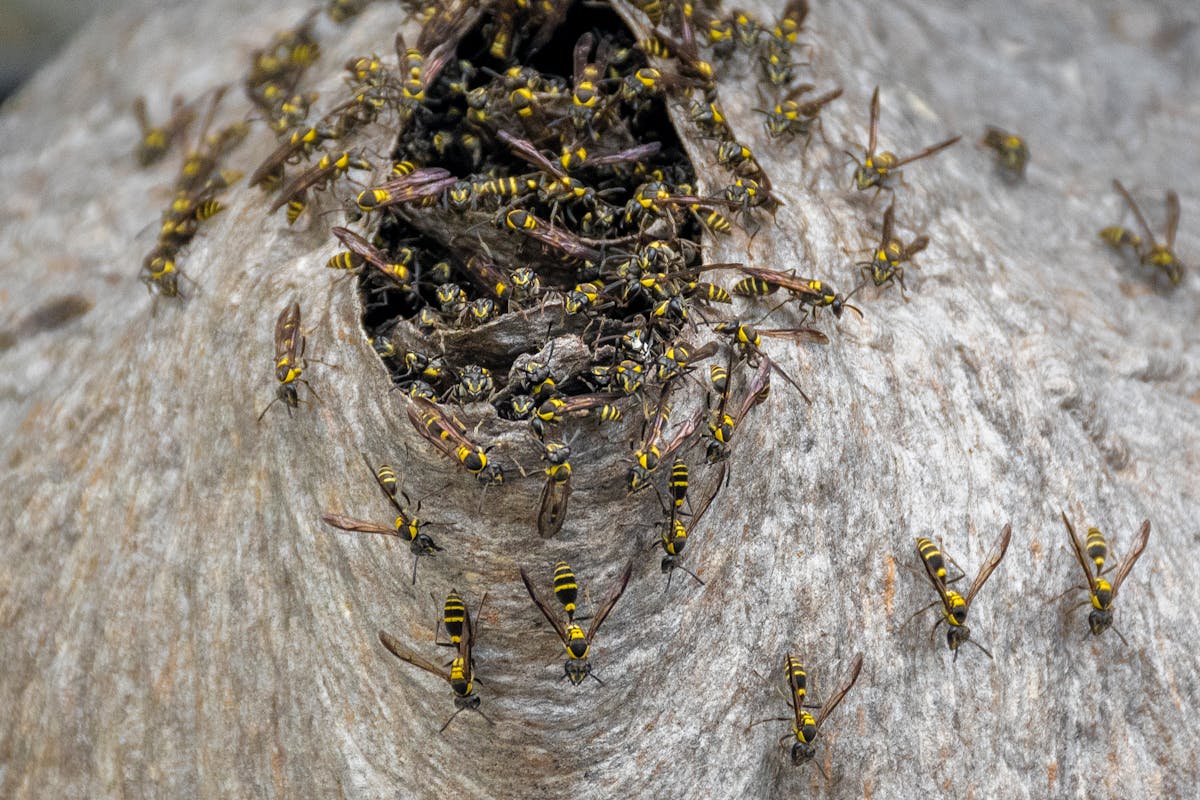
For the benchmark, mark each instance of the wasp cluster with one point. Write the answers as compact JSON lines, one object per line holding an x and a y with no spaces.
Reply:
{"x":533,"y":181}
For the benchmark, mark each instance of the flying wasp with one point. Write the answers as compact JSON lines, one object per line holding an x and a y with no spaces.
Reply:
{"x":954,"y":605}
{"x":1101,"y":593}
{"x":804,"y":725}
{"x":577,"y":643}
{"x":1012,"y":154}
{"x":290,"y":362}
{"x":878,"y":169}
{"x":1150,"y":251}
{"x":407,"y":525}
{"x":461,"y":673}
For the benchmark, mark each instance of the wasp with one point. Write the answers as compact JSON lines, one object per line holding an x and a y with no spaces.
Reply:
{"x":436,"y":45}
{"x":678,"y":359}
{"x":1101,"y":593}
{"x":809,"y":292}
{"x":475,"y":383}
{"x":954,"y":605}
{"x":360,"y":251}
{"x":159,"y":272}
{"x":887,"y":263}
{"x":791,"y":117}
{"x":556,"y":491}
{"x":878,"y":169}
{"x":577,"y":643}
{"x":461,"y":673}
{"x":448,"y":435}
{"x":484,"y":274}
{"x":553,"y":410}
{"x":1012,"y":154}
{"x":577,"y":157}
{"x":804,"y":725}
{"x":290,"y":362}
{"x":648,"y":454}
{"x":407,"y":525}
{"x":157,"y":139}
{"x":748,"y":341}
{"x":327,"y":170}
{"x":791,"y":21}
{"x":299,"y":144}
{"x":587,"y":99}
{"x":554,"y":238}
{"x":418,"y":186}
{"x":723,"y":426}
{"x":1151,"y":253}
{"x":674,"y":534}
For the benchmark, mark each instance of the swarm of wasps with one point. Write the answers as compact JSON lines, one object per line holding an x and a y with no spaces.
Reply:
{"x":560,"y":194}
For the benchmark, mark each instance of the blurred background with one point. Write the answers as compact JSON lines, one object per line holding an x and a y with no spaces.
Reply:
{"x":32,"y":31}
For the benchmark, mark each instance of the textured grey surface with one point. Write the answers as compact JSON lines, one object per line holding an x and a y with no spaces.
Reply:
{"x":175,"y":620}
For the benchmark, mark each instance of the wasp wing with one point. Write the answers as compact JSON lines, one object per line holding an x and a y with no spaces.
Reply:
{"x":357,"y":525}
{"x":610,"y":601}
{"x":1139,"y":544}
{"x":399,"y":651}
{"x":547,"y":612}
{"x":1080,"y":556}
{"x":836,"y":697}
{"x":993,"y":560}
{"x":553,"y":509}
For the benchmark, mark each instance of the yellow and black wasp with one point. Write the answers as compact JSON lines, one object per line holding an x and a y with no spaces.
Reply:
{"x":417,"y":187}
{"x":878,"y":169}
{"x":1101,"y":593}
{"x":1012,"y":153}
{"x":449,"y":436}
{"x":461,"y":672}
{"x":792,"y":117}
{"x":553,"y":410}
{"x":804,"y":725}
{"x":407,"y":525}
{"x":809,"y":292}
{"x":560,"y":239}
{"x":679,"y":358}
{"x":724,"y":424}
{"x":954,"y":605}
{"x":1150,"y":251}
{"x":577,"y":643}
{"x":324,"y":172}
{"x":674,"y":535}
{"x":157,"y":139}
{"x":359,"y":251}
{"x":649,"y":453}
{"x":556,"y":492}
{"x":299,"y":144}
{"x":887,"y":263}
{"x":290,"y":362}
{"x":588,"y":102}
{"x":747,"y":339}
